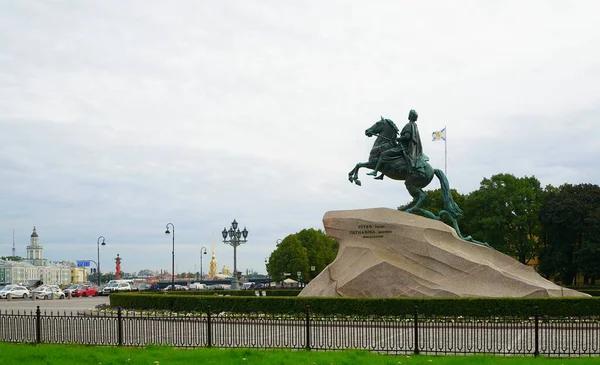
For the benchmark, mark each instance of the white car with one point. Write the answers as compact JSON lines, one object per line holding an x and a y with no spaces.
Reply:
{"x":16,"y":291}
{"x":198,"y":286}
{"x":177,"y":287}
{"x":48,"y":292}
{"x":113,"y":287}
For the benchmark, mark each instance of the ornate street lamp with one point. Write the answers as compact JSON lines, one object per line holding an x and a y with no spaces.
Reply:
{"x":98,"y":264}
{"x":172,"y":255}
{"x":235,"y":239}
{"x":202,"y":252}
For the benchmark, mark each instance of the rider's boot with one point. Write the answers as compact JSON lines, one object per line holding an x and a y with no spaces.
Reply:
{"x":380,"y":177}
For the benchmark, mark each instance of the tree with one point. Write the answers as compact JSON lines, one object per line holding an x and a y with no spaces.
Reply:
{"x":588,"y":256}
{"x":504,"y":212}
{"x":289,"y":257}
{"x":186,"y":275}
{"x":300,"y":251}
{"x":569,"y":216}
{"x":11,"y":258}
{"x":145,"y":273}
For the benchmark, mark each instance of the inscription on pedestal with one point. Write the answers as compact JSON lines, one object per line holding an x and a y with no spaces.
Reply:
{"x":371,"y":231}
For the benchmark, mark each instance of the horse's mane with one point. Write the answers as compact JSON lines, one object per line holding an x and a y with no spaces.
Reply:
{"x":393,"y":124}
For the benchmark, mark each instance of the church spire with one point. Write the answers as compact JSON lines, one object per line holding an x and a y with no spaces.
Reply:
{"x":212,"y":271}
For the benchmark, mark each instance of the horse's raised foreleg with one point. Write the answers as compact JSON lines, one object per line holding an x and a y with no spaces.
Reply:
{"x":418,"y":195}
{"x":353,"y":175}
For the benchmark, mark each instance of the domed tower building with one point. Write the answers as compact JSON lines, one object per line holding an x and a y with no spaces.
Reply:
{"x":212,"y":271}
{"x":34,"y":250}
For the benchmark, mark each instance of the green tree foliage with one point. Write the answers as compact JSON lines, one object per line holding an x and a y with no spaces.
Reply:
{"x":504,"y":212}
{"x":186,"y":275}
{"x":298,"y":252}
{"x":588,"y":256}
{"x":145,"y":273}
{"x":11,"y":258}
{"x":570,"y":215}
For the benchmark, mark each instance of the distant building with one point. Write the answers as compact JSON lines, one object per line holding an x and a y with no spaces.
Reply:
{"x":79,"y":275}
{"x":35,"y":267}
{"x":34,"y":250}
{"x":212,"y":271}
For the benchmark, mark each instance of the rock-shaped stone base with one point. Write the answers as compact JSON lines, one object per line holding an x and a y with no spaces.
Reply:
{"x":388,"y":253}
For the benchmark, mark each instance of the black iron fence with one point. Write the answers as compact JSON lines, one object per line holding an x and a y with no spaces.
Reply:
{"x":412,"y":333}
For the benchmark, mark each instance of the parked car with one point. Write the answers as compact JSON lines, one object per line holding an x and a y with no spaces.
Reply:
{"x":70,"y":289}
{"x":116,"y":287}
{"x":177,"y":287}
{"x":101,"y":289}
{"x":48,"y":292}
{"x":33,"y":283}
{"x":247,"y":286}
{"x":85,"y":291}
{"x":144,"y":287}
{"x":198,"y":286}
{"x":16,"y":291}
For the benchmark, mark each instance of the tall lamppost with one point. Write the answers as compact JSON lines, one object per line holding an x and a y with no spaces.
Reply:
{"x":235,"y":239}
{"x":268,"y":276}
{"x":202,"y":252}
{"x":172,"y":255}
{"x":98,"y":266}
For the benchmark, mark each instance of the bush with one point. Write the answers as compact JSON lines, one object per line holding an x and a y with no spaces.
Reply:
{"x":476,"y":307}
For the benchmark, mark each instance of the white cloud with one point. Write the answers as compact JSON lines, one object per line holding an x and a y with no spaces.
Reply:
{"x":119,"y":117}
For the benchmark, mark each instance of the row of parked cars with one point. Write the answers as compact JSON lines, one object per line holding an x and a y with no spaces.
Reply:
{"x":41,"y":292}
{"x":49,"y":291}
{"x":44,"y":291}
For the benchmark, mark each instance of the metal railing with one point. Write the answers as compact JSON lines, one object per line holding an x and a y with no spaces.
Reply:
{"x":410,"y":334}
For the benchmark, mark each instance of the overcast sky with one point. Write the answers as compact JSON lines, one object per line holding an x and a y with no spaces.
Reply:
{"x":118,"y":117}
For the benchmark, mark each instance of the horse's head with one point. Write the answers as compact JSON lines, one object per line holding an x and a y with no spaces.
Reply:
{"x":382,"y":127}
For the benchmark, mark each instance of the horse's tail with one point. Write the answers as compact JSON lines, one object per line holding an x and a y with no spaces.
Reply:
{"x":449,"y":203}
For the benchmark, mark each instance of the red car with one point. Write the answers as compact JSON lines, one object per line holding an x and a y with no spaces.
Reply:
{"x":85,"y":291}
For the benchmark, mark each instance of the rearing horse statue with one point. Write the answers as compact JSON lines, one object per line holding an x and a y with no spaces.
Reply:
{"x":402,"y":168}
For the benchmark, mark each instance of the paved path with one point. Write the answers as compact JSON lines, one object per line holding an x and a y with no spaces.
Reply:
{"x":62,"y":305}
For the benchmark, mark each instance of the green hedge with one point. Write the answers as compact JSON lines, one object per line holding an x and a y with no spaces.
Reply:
{"x":478,"y":307}
{"x":236,"y":293}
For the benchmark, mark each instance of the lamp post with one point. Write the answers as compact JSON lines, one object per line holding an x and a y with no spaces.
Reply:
{"x":268,"y":276}
{"x":202,"y":252}
{"x":235,"y":239}
{"x":172,"y":255}
{"x":98,"y":265}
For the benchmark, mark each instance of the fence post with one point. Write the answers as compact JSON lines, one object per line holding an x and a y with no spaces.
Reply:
{"x":208,"y":329}
{"x":416,"y":331}
{"x":119,"y":327}
{"x":38,"y":325}
{"x":537,"y":334}
{"x":308,"y":327}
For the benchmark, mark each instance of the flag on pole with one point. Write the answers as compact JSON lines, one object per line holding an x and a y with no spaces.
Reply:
{"x":439,"y":135}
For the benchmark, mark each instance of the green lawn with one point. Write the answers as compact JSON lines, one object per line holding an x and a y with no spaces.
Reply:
{"x":153,"y":355}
